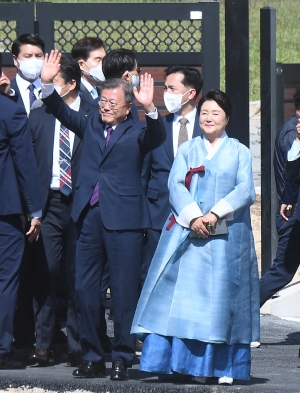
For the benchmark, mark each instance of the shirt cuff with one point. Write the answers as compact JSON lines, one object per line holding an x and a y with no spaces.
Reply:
{"x":36,"y":214}
{"x":12,"y":93}
{"x":293,"y":153}
{"x":153,"y":115}
{"x":188,"y":213}
{"x":223,"y":209}
{"x":46,"y":90}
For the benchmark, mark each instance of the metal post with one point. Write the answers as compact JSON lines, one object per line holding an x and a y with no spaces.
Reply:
{"x":237,"y":67}
{"x":268,"y":135}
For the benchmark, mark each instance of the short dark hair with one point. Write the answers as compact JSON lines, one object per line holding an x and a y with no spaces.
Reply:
{"x":297,"y":98}
{"x":69,"y":69}
{"x":118,"y":61}
{"x":114,"y":83}
{"x":191,"y":76}
{"x":83,"y":47}
{"x":27,"y":39}
{"x":220,"y":98}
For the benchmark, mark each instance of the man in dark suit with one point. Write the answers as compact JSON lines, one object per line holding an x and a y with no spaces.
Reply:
{"x":182,"y":88}
{"x":28,"y":55}
{"x":19,"y":194}
{"x":110,"y":209}
{"x":287,"y":258}
{"x":59,"y":234}
{"x":89,"y":53}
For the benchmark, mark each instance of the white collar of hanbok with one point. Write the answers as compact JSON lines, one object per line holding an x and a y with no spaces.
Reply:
{"x":213,"y":149}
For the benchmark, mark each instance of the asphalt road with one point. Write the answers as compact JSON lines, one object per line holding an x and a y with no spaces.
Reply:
{"x":275,"y":368}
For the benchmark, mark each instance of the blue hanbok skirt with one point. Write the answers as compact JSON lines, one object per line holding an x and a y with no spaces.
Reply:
{"x":168,"y":355}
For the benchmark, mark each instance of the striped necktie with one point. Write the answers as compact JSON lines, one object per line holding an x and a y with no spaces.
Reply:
{"x":65,"y":161}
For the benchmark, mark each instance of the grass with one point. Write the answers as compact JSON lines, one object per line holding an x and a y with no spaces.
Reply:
{"x":287,"y":33}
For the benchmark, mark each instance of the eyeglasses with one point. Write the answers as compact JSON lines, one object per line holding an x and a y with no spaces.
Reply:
{"x":111,"y":105}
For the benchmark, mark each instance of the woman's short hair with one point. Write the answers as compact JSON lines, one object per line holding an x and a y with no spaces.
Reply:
{"x":118,"y":61}
{"x":220,"y":98}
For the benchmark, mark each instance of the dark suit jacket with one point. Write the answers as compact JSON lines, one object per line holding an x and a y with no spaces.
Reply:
{"x":155,"y":174}
{"x":17,"y":98}
{"x":42,"y":127}
{"x":19,"y":184}
{"x":116,"y":168}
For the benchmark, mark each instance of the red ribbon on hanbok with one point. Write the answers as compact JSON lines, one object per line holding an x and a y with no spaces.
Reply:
{"x":187,"y":183}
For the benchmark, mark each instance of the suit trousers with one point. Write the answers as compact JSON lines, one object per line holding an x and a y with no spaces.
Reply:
{"x":57,"y":240}
{"x":11,"y":252}
{"x":123,"y":250}
{"x":287,"y":259}
{"x":153,"y":236}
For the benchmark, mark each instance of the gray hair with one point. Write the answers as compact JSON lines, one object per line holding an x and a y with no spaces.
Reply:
{"x":114,"y":83}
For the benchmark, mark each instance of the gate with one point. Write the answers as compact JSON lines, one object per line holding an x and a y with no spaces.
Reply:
{"x":162,"y":34}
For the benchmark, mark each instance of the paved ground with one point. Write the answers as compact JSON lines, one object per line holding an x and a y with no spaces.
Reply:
{"x":275,"y":368}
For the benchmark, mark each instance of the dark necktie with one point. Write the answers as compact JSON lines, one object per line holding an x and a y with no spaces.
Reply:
{"x":65,"y":161}
{"x":109,"y":131}
{"x":32,"y":97}
{"x":95,"y":197}
{"x":183,"y":135}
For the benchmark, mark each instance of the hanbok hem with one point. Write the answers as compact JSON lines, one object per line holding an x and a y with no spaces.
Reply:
{"x":171,"y":355}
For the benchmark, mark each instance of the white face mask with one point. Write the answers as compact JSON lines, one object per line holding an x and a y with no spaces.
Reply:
{"x":59,"y":89}
{"x":31,"y":68}
{"x":135,"y":80}
{"x":173,"y":101}
{"x":96,"y":72}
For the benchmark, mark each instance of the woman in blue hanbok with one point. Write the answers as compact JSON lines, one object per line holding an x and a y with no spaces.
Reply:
{"x":199,"y":306}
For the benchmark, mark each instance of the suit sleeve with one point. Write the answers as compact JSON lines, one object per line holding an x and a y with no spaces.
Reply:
{"x":71,"y":119}
{"x":22,"y":155}
{"x":290,"y":194}
{"x":154,"y":134}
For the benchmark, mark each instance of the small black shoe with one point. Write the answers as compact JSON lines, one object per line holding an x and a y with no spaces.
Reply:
{"x":6,"y":364}
{"x":119,"y":371}
{"x":74,"y":359}
{"x":90,"y":369}
{"x":41,"y":356}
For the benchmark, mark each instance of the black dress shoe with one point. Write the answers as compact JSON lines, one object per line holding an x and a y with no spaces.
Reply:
{"x":119,"y":371}
{"x":21,"y":354}
{"x":90,"y":369}
{"x":41,"y":356}
{"x":6,"y":364}
{"x":75,"y":359}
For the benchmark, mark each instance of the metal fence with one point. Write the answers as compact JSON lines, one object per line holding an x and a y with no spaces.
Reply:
{"x":162,"y":33}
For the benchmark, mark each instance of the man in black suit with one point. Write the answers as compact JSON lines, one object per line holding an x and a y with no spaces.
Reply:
{"x":58,"y":171}
{"x":110,"y":209}
{"x":89,"y":53}
{"x":287,"y":258}
{"x":28,"y":55}
{"x":182,"y":88}
{"x":19,"y":194}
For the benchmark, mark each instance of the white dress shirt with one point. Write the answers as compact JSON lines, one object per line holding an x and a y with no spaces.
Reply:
{"x":55,"y":180}
{"x":189,"y":126}
{"x":24,"y":91}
